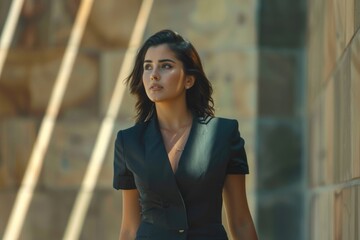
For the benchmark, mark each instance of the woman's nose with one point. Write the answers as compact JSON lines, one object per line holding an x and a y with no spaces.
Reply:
{"x":154,"y":75}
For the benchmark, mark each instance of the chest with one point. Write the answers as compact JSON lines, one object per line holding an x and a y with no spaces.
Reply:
{"x":202,"y":164}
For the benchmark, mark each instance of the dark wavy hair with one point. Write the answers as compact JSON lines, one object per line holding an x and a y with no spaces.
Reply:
{"x":198,"y":97}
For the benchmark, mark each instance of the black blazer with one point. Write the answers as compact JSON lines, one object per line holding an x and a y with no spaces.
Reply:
{"x":187,"y":204}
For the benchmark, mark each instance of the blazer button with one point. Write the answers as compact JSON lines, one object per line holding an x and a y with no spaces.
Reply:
{"x":181,"y":231}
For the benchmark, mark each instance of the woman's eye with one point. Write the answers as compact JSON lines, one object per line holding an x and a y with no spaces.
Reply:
{"x":147,"y":67}
{"x":166,"y":66}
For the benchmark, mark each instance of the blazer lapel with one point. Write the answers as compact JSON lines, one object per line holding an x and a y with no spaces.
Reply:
{"x":161,"y":179}
{"x":159,"y":172}
{"x":190,"y":164}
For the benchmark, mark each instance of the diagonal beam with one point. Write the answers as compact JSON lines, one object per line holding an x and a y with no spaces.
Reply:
{"x":8,"y":30}
{"x":85,"y":194}
{"x":33,"y":169}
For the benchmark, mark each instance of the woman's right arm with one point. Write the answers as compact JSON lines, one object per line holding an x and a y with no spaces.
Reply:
{"x":130,"y":214}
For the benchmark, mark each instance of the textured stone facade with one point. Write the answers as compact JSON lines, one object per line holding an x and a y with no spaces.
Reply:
{"x":334,"y":119}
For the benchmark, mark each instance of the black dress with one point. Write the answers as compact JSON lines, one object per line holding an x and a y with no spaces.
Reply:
{"x":187,"y":204}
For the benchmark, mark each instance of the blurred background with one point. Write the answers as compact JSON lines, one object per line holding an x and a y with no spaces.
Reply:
{"x":289,"y":71}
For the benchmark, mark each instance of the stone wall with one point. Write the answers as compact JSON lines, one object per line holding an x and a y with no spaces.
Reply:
{"x":26,"y":82}
{"x":333,"y":137}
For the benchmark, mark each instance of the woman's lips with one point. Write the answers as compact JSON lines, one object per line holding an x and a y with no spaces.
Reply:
{"x":155,"y":87}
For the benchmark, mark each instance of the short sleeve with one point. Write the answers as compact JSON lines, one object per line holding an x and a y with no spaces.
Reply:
{"x":123,"y":177}
{"x":238,"y":160}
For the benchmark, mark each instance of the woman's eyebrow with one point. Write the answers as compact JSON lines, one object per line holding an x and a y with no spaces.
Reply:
{"x":166,"y":60}
{"x":161,"y":60}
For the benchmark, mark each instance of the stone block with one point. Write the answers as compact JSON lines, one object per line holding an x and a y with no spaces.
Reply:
{"x":29,"y":76}
{"x":356,"y":14}
{"x":355,"y":101}
{"x":339,"y":14}
{"x":104,"y":216}
{"x":282,"y":24}
{"x":279,"y":153}
{"x":162,"y":17}
{"x":14,"y":92}
{"x":235,"y":98}
{"x":349,"y":20}
{"x":315,"y":161}
{"x":208,"y":24}
{"x":278,"y":83}
{"x":321,"y":137}
{"x":50,"y":210}
{"x":342,"y":130}
{"x":110,"y":66}
{"x":223,"y":24}
{"x":322,"y":217}
{"x":61,"y":17}
{"x":233,"y":76}
{"x":17,"y":137}
{"x":315,"y":46}
{"x":328,"y":125}
{"x":330,"y":44}
{"x":48,"y":214}
{"x":69,"y":153}
{"x":233,"y":65}
{"x":109,"y":25}
{"x":7,"y":199}
{"x":30,"y":32}
{"x":280,"y":215}
{"x":81,"y":85}
{"x":339,"y":30}
{"x":346,"y":214}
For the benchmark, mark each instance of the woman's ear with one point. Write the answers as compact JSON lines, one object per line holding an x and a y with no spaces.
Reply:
{"x":189,"y":81}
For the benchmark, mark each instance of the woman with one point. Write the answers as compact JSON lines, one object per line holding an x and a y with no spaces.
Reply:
{"x":178,"y":162}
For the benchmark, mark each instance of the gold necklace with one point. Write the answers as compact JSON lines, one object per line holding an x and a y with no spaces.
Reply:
{"x":175,"y":140}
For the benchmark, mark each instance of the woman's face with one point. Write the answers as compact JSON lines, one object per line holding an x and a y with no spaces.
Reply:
{"x":164,"y":78}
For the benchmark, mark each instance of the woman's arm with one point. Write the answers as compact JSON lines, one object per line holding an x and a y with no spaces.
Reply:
{"x":130,"y":214}
{"x":238,"y":214}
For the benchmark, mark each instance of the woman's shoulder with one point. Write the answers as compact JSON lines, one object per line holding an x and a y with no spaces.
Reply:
{"x":218,"y":120}
{"x":134,"y":130}
{"x":220,"y":124}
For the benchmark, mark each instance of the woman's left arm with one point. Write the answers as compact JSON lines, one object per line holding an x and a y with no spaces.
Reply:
{"x":237,"y":210}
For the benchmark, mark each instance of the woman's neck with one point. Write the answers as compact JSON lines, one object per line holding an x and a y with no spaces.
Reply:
{"x":173,"y":117}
